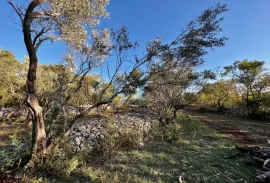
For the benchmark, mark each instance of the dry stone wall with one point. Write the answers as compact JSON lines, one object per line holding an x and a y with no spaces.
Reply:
{"x":87,"y":133}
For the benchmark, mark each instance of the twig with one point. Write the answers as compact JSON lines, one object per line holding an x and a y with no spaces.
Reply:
{"x":14,"y":170}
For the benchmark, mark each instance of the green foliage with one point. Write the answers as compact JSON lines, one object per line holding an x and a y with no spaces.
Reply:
{"x":62,"y":160}
{"x":172,"y":132}
{"x":255,"y":81}
{"x":7,"y":159}
{"x":14,"y":140}
{"x":19,"y":147}
{"x":114,"y":141}
{"x":37,"y":180}
{"x":192,"y":128}
{"x":72,"y":164}
{"x":109,"y":144}
{"x":191,"y":97}
{"x":89,"y":172}
{"x":130,"y":139}
{"x":12,"y":79}
{"x":219,"y":94}
{"x":88,"y":93}
{"x":183,"y":127}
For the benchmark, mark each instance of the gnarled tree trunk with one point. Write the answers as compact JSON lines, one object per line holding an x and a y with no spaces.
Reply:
{"x":39,"y":141}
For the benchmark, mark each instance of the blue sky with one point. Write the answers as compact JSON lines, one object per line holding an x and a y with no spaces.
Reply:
{"x":246,"y":24}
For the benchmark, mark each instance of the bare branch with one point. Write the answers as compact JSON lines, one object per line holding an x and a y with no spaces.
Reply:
{"x":17,"y":10}
{"x":40,"y":41}
{"x":43,"y":31}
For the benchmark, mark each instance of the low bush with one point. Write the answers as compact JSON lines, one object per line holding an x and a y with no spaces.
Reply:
{"x":183,"y":127}
{"x":172,"y":132}
{"x":62,"y":160}
{"x":114,"y":141}
{"x":16,"y":153}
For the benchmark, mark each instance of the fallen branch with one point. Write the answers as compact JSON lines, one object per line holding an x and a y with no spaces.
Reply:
{"x":261,"y":156}
{"x":263,"y":177}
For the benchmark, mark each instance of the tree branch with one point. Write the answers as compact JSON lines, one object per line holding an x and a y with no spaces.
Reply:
{"x":17,"y":10}
{"x":40,"y":41}
{"x":43,"y":31}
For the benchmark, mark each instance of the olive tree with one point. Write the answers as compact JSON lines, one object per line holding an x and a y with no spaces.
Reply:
{"x":165,"y":92}
{"x":43,"y":20}
{"x":217,"y":94}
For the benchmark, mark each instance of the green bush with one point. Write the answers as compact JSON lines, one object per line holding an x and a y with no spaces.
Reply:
{"x":129,"y":139}
{"x":62,"y":160}
{"x":114,"y":141}
{"x":172,"y":132}
{"x":19,"y":148}
{"x":183,"y":127}
{"x":191,"y":127}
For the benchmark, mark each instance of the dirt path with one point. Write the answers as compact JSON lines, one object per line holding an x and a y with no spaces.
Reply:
{"x":241,"y":130}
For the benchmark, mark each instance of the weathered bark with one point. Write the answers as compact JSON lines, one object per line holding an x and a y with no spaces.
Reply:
{"x":39,"y":134}
{"x":39,"y":142}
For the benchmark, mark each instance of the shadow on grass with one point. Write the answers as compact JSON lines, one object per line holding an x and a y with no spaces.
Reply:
{"x":195,"y":160}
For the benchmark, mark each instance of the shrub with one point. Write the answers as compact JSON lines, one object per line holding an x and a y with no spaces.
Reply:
{"x":190,"y":126}
{"x":62,"y":160}
{"x":129,"y":139}
{"x":182,"y":127}
{"x":89,"y":172}
{"x":118,"y":141}
{"x":18,"y":150}
{"x":172,"y":132}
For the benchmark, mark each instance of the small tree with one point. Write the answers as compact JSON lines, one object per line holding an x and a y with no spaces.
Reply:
{"x":165,"y":92}
{"x":216,"y":94}
{"x":252,"y":75}
{"x":44,"y":20}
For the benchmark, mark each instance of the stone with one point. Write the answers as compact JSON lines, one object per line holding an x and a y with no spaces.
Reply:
{"x":84,"y":134}
{"x":78,"y":140}
{"x":101,"y":136}
{"x":78,"y":134}
{"x":82,"y":128}
{"x":91,"y":137}
{"x":94,"y":129}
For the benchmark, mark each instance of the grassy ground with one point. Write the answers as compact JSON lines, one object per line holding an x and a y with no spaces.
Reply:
{"x":242,"y":130}
{"x":195,"y":160}
{"x":208,"y":158}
